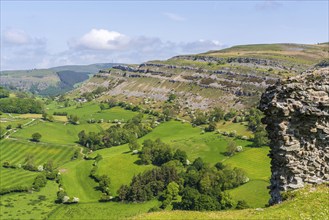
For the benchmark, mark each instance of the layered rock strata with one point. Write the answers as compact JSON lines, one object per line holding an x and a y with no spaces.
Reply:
{"x":297,"y":118}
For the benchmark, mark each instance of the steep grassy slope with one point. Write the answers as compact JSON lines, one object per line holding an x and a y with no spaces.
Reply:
{"x":309,"y":203}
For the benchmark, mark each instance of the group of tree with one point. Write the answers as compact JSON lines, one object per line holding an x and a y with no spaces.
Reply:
{"x":254,"y":119}
{"x":116,"y":134}
{"x":73,"y":119}
{"x":4,"y":93}
{"x":91,"y":95}
{"x":215,"y":115}
{"x":174,"y":182}
{"x":157,"y":153}
{"x":47,"y":117}
{"x":21,"y":105}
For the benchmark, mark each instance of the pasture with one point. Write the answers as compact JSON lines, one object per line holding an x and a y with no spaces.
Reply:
{"x":110,"y":210}
{"x":58,"y":143}
{"x":77,"y":183}
{"x":15,"y":152}
{"x":34,"y":205}
{"x":57,"y":133}
{"x":92,"y":111}
{"x":120,"y":165}
{"x":16,"y":177}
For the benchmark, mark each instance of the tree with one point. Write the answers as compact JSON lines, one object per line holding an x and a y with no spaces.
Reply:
{"x":104,"y":183}
{"x":211,"y":127}
{"x":36,"y":137}
{"x":181,"y":156}
{"x":242,"y":204}
{"x":49,"y":166}
{"x":198,"y":164}
{"x":29,"y":163}
{"x":111,"y":102}
{"x":260,"y":138}
{"x":3,"y":93}
{"x":231,"y":148}
{"x":73,"y":119}
{"x":44,"y":116}
{"x":171,"y":97}
{"x":40,"y":181}
{"x":171,"y":193}
{"x":102,"y":106}
{"x":123,"y":192}
{"x":133,"y":144}
{"x":217,"y":114}
{"x":219,"y":166}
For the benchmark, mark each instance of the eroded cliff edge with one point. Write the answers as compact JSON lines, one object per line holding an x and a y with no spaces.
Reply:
{"x":297,"y":118}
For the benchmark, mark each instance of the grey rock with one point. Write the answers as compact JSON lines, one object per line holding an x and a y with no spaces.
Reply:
{"x":297,"y":117}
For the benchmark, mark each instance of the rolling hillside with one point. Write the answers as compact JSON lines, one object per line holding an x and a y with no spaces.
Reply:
{"x":52,"y":81}
{"x":229,"y":78}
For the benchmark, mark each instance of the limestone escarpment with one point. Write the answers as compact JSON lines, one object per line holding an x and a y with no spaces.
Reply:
{"x":297,"y":118}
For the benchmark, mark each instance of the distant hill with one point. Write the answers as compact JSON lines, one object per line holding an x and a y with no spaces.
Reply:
{"x":52,"y":81}
{"x":230,"y":78}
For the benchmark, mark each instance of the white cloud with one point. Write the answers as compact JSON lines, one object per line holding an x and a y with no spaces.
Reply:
{"x":16,"y":36}
{"x":101,"y":39}
{"x":99,"y":46}
{"x":174,"y":17}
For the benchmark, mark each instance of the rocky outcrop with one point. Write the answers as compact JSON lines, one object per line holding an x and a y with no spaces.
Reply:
{"x":297,"y":118}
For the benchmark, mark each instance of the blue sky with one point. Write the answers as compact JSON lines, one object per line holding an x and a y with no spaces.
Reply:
{"x":39,"y":34}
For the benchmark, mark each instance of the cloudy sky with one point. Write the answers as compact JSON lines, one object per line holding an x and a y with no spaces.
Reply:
{"x":40,"y":34}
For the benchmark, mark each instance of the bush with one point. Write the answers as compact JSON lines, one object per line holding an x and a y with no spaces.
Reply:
{"x":40,"y":181}
{"x":154,"y":209}
{"x":4,"y":191}
{"x":242,"y":204}
{"x":36,"y":137}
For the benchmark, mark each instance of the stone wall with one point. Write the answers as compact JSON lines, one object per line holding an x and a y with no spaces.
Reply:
{"x":297,"y":118}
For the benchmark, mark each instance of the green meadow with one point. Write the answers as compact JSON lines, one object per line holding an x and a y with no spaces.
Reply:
{"x":16,"y":177}
{"x":34,"y":205}
{"x":56,"y":132}
{"x":88,"y":111}
{"x":77,"y":183}
{"x":58,"y":143}
{"x":110,"y":210}
{"x":15,"y":152}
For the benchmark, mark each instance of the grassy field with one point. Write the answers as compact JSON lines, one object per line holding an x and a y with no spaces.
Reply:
{"x":77,"y":182}
{"x":58,"y":143}
{"x":92,"y":111}
{"x":209,"y":146}
{"x":255,"y":192}
{"x":309,"y":203}
{"x":241,"y":129}
{"x":16,"y":151}
{"x":34,"y":205}
{"x":16,"y":177}
{"x":254,"y":161}
{"x":120,"y":165}
{"x":56,"y":132}
{"x":6,"y":120}
{"x":109,"y":210}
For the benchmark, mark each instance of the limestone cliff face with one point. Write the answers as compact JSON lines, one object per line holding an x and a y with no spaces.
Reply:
{"x":297,"y":118}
